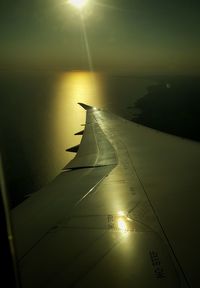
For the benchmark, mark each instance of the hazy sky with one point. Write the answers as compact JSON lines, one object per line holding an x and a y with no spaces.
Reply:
{"x":123,"y":35}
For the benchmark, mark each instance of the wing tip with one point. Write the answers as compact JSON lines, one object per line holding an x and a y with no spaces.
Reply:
{"x":85,"y":106}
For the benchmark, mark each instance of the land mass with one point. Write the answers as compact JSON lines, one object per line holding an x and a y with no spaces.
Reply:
{"x":172,"y":106}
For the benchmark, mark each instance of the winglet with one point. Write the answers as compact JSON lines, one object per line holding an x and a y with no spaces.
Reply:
{"x":85,"y":106}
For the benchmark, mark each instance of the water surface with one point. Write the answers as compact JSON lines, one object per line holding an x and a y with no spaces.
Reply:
{"x":39,"y":116}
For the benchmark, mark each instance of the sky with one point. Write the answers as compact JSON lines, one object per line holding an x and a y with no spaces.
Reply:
{"x":139,"y":36}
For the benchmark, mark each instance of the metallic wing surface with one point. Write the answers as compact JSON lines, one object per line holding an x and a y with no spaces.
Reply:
{"x":121,"y":213}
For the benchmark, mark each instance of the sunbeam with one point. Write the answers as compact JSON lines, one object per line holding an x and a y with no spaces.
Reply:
{"x":86,"y":42}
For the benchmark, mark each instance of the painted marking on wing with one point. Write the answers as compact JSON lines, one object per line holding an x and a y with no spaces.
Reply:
{"x":157,"y":266}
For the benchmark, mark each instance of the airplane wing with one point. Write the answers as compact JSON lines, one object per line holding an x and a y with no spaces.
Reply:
{"x":120,"y":214}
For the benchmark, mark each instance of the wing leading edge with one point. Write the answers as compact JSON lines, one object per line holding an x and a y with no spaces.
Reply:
{"x":98,"y":223}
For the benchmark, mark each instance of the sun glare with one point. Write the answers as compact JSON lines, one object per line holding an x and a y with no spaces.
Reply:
{"x":79,"y":4}
{"x":121,"y":223}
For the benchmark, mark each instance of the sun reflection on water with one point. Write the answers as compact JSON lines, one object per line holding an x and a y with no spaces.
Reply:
{"x":71,"y":88}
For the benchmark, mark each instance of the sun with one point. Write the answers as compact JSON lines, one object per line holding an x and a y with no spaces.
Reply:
{"x":79,"y":4}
